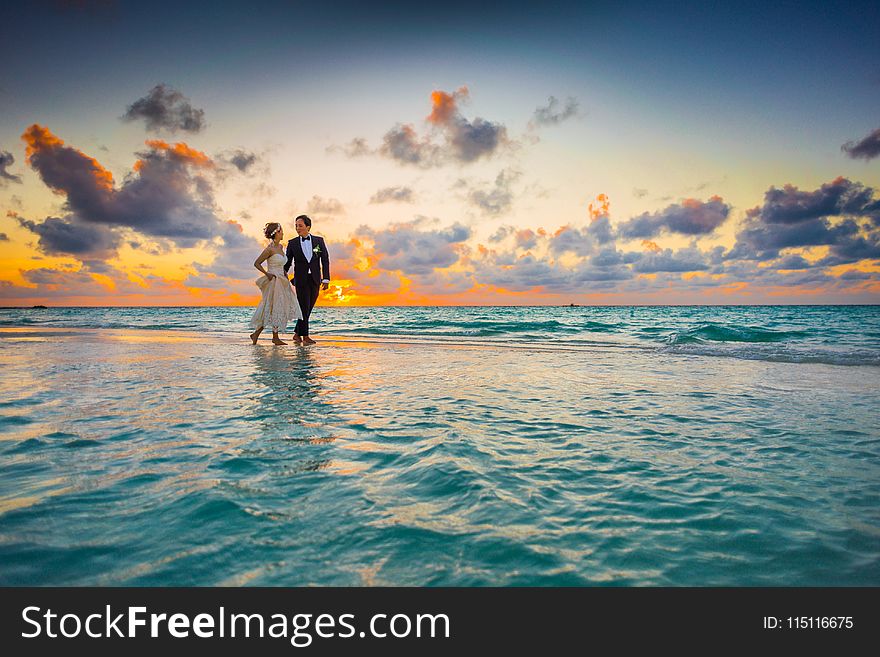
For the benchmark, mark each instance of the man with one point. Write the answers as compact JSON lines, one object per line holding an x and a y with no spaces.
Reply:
{"x":308,"y":254}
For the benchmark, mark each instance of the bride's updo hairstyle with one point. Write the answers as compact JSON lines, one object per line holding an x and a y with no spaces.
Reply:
{"x":270,"y":230}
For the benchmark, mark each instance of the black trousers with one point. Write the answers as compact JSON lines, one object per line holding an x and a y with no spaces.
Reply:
{"x":307,"y":295}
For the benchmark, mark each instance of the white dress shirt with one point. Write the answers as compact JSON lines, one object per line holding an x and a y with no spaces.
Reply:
{"x":306,"y":245}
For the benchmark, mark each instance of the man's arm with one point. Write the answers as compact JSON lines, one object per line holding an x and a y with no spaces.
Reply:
{"x":289,"y":256}
{"x":325,"y":263}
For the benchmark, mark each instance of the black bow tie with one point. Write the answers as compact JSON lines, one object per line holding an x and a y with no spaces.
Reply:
{"x":307,"y":239}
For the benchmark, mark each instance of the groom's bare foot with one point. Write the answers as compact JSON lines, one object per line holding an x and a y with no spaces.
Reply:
{"x":278,"y":341}
{"x":307,"y":340}
{"x":254,"y":337}
{"x":297,"y":339}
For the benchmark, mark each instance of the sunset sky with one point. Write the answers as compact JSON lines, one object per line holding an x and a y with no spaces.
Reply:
{"x":450,"y":153}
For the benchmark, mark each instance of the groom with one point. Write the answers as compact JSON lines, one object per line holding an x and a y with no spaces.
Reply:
{"x":308,"y":254}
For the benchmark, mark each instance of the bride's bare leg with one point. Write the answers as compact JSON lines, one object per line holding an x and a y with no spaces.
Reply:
{"x":256,"y":334}
{"x":276,"y":339}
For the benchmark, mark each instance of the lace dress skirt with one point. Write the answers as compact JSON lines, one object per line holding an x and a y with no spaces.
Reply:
{"x":279,"y":305}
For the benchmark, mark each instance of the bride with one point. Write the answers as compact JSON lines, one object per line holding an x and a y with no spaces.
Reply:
{"x":278,"y":305}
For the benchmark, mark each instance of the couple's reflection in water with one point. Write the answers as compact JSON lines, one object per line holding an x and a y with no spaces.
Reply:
{"x":295,"y":419}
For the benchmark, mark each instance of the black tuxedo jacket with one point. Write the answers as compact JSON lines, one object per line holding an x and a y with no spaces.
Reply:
{"x":319,"y":264}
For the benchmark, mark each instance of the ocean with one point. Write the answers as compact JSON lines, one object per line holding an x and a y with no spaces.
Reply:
{"x":438,"y":446}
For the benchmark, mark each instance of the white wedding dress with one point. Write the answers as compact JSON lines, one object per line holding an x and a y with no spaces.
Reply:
{"x":278,"y":305}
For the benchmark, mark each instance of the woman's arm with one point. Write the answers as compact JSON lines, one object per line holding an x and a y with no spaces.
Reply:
{"x":259,"y":262}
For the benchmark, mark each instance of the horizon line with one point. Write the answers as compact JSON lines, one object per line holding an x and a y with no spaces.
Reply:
{"x":565,"y":305}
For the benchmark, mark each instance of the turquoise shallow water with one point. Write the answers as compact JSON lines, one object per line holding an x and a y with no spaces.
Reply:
{"x":845,"y":335}
{"x":627,"y":446}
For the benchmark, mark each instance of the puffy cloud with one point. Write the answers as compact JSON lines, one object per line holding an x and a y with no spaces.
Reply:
{"x":70,"y":236}
{"x":66,"y":170}
{"x":690,"y":217}
{"x":165,"y":107}
{"x":690,"y":259}
{"x":466,"y":140}
{"x":354,"y":261}
{"x":167,"y":195}
{"x":599,"y":277}
{"x":403,"y":144}
{"x":840,"y":197}
{"x":571,"y":239}
{"x":760,"y":241}
{"x":811,"y":278}
{"x":498,"y":198}
{"x":526,"y":239}
{"x":602,"y":207}
{"x":553,"y":114}
{"x":461,"y":140}
{"x":583,"y":241}
{"x":63,"y":280}
{"x":179,"y":152}
{"x":792,"y":261}
{"x":242,"y":160}
{"x":529,"y":273}
{"x":7,"y":160}
{"x":853,"y":248}
{"x":524,"y":273}
{"x":407,"y":259}
{"x":320,"y":205}
{"x":600,"y":230}
{"x":791,"y":218}
{"x":609,"y":256}
{"x":444,"y":282}
{"x":502,"y":233}
{"x":867,"y":148}
{"x":406,"y":248}
{"x":397,"y":194}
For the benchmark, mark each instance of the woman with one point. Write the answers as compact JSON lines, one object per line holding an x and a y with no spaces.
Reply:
{"x":278,"y":305}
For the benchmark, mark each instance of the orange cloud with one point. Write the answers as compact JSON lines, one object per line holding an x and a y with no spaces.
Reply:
{"x":444,"y":105}
{"x":732,"y":288}
{"x":651,"y":246}
{"x":602,"y":207}
{"x":40,"y":140}
{"x":181,"y":151}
